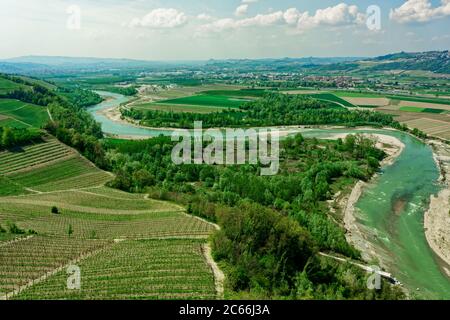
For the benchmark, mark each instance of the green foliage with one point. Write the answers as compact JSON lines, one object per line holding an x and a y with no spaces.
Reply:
{"x":14,"y":229}
{"x":55,"y":210}
{"x":274,"y":109}
{"x":12,"y":137}
{"x":70,"y":230}
{"x":262,"y":248}
{"x":80,"y":97}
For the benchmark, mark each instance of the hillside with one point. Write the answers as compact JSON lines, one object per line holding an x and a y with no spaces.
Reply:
{"x":55,"y":211}
{"x":434,"y":61}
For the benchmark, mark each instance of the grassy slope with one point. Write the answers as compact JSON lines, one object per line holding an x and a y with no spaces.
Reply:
{"x":7,"y":86}
{"x":26,"y":113}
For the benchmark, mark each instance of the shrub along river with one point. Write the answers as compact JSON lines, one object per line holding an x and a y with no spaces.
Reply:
{"x":391,"y":209}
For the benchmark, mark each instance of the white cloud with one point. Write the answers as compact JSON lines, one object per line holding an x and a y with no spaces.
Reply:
{"x":161,"y":19}
{"x":241,"y":10}
{"x":249,"y":1}
{"x":205,"y":17}
{"x":341,"y":14}
{"x":420,"y":11}
{"x":260,"y":20}
{"x":291,"y":16}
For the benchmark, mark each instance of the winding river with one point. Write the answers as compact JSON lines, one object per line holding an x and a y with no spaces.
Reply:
{"x":391,"y":209}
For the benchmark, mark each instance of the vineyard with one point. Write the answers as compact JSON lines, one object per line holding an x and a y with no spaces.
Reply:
{"x":55,"y":210}
{"x":49,"y":166}
{"x":140,"y":269}
{"x":21,"y":262}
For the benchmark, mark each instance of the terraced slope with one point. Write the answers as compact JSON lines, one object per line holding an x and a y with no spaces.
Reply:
{"x":128,"y":246}
{"x":49,"y":166}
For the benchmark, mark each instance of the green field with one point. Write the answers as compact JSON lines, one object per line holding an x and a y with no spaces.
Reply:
{"x":12,"y":123}
{"x":177,"y":108}
{"x":208,"y":101}
{"x":419,"y":99}
{"x":251,"y":93}
{"x":352,"y":94}
{"x":421,"y":110}
{"x":26,"y":113}
{"x":7,"y":86}
{"x":328,"y":97}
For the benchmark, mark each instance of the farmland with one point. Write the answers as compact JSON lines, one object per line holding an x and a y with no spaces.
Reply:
{"x":25,"y":113}
{"x":7,"y":86}
{"x":208,"y":100}
{"x":327,"y":98}
{"x":424,"y":110}
{"x":203,"y":99}
{"x":162,"y":269}
{"x":55,"y":210}
{"x":177,"y":108}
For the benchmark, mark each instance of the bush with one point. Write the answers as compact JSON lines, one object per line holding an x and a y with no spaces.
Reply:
{"x":14,"y":229}
{"x":55,"y":210}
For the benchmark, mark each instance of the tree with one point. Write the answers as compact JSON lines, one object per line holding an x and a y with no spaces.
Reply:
{"x":70,"y":230}
{"x":7,"y":137}
{"x":142,"y":178}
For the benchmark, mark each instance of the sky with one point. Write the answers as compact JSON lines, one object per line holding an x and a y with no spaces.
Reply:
{"x":221,"y":29}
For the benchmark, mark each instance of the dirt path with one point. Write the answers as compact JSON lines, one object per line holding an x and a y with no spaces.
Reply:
{"x":219,"y":277}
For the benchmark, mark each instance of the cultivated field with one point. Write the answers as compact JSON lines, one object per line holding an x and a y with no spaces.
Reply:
{"x":25,"y":113}
{"x":196,"y":99}
{"x":177,"y":108}
{"x":362,"y":101}
{"x":208,"y":100}
{"x":7,"y":86}
{"x":55,"y":211}
{"x":140,"y":269}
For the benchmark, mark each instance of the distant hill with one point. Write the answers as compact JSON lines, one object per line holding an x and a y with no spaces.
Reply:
{"x":34,"y":65}
{"x":434,"y":61}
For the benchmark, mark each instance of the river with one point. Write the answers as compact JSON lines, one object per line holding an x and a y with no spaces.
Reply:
{"x":391,"y":209}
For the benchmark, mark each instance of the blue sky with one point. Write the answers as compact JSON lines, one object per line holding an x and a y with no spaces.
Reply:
{"x":203,"y":29}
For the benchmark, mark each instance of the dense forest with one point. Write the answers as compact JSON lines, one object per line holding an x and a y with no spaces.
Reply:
{"x":271,"y":227}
